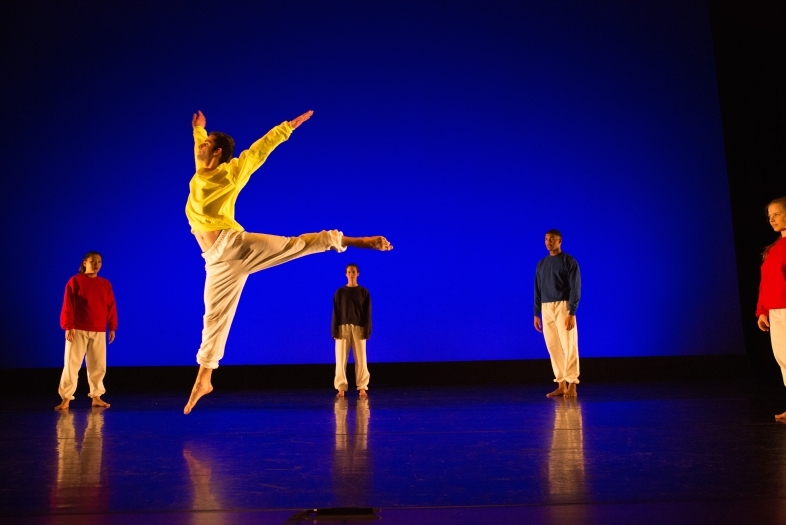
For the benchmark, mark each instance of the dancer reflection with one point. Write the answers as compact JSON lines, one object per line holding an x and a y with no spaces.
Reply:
{"x":232,"y":254}
{"x":771,"y":306}
{"x":201,"y":474}
{"x":351,"y":327}
{"x":351,"y":465}
{"x":557,"y":294}
{"x":78,"y":485}
{"x":566,"y":456}
{"x":88,"y":307}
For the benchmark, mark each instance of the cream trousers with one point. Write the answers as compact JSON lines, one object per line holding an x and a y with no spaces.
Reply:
{"x":351,"y":336}
{"x":228,"y":263}
{"x":91,"y":348}
{"x":563,"y":345}
{"x":778,"y":338}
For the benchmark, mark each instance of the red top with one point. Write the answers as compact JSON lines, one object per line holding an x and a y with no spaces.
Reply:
{"x":89,"y":305}
{"x":772,"y":290}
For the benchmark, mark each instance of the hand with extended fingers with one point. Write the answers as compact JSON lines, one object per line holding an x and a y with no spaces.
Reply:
{"x":198,"y":119}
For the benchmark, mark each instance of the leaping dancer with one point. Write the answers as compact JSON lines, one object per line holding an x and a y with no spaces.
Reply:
{"x":231,"y":254}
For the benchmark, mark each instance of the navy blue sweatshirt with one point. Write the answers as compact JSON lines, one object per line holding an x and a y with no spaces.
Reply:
{"x":351,"y":305}
{"x":557,"y":278}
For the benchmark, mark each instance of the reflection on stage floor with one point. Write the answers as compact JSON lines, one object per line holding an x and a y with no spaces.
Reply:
{"x":428,"y":455}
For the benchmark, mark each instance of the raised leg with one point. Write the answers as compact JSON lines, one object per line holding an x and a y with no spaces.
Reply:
{"x":202,"y":387}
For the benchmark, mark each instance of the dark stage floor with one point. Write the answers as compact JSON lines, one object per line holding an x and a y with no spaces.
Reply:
{"x":621,"y":453}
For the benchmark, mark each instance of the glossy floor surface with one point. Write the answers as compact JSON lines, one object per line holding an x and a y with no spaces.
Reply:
{"x":620,"y":453}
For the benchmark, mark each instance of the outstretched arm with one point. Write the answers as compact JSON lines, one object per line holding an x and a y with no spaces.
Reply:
{"x":251,"y":159}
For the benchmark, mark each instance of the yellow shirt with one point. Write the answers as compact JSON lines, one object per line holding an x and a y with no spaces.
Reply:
{"x":212,"y":193}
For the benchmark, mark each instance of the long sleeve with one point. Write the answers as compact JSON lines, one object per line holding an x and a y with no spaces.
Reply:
{"x":574,"y":278}
{"x":538,"y":304}
{"x":251,"y":159}
{"x":67,"y":312}
{"x":772,"y":287}
{"x":111,"y":314}
{"x":334,"y":320}
{"x":367,"y":317}
{"x":200,"y":136}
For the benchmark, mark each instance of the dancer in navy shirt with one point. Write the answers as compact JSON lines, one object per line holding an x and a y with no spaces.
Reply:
{"x":557,"y":294}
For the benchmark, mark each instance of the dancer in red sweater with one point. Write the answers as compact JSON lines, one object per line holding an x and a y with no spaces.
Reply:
{"x":88,"y":308}
{"x":771,"y":306}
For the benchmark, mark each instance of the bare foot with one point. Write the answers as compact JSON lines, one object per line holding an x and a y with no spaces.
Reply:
{"x":571,"y":392}
{"x":200,"y":389}
{"x":98,"y":402}
{"x":376,"y":242}
{"x":66,"y":402}
{"x":779,"y":417}
{"x":363,"y":393}
{"x":560,"y":391}
{"x":340,"y":393}
{"x":379,"y":243}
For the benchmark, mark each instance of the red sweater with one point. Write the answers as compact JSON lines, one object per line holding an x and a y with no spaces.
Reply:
{"x":772,"y":290}
{"x":88,"y":305}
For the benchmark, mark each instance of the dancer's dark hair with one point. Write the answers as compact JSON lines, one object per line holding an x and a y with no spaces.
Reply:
{"x":226,"y":143}
{"x":86,"y":257}
{"x":782,"y":202}
{"x":555,"y":232}
{"x":352,"y":265}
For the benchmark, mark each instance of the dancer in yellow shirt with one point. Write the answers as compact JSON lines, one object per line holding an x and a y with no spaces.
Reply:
{"x":232,"y":254}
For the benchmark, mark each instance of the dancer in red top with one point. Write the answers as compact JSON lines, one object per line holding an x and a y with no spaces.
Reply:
{"x":88,"y":308}
{"x":771,"y":307}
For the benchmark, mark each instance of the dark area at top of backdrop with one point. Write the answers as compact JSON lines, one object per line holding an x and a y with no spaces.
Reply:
{"x":461,"y":132}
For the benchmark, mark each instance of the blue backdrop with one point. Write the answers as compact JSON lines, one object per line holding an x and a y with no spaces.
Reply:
{"x":461,"y":131}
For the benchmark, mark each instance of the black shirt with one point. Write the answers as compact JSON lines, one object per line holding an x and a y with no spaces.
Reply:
{"x":351,"y":305}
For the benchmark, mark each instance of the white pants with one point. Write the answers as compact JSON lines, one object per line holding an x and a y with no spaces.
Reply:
{"x":778,"y":338}
{"x":91,"y":348}
{"x":563,"y":345}
{"x":351,"y":336}
{"x":228,"y":263}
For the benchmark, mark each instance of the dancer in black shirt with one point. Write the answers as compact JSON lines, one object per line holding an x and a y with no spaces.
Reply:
{"x":351,"y":326}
